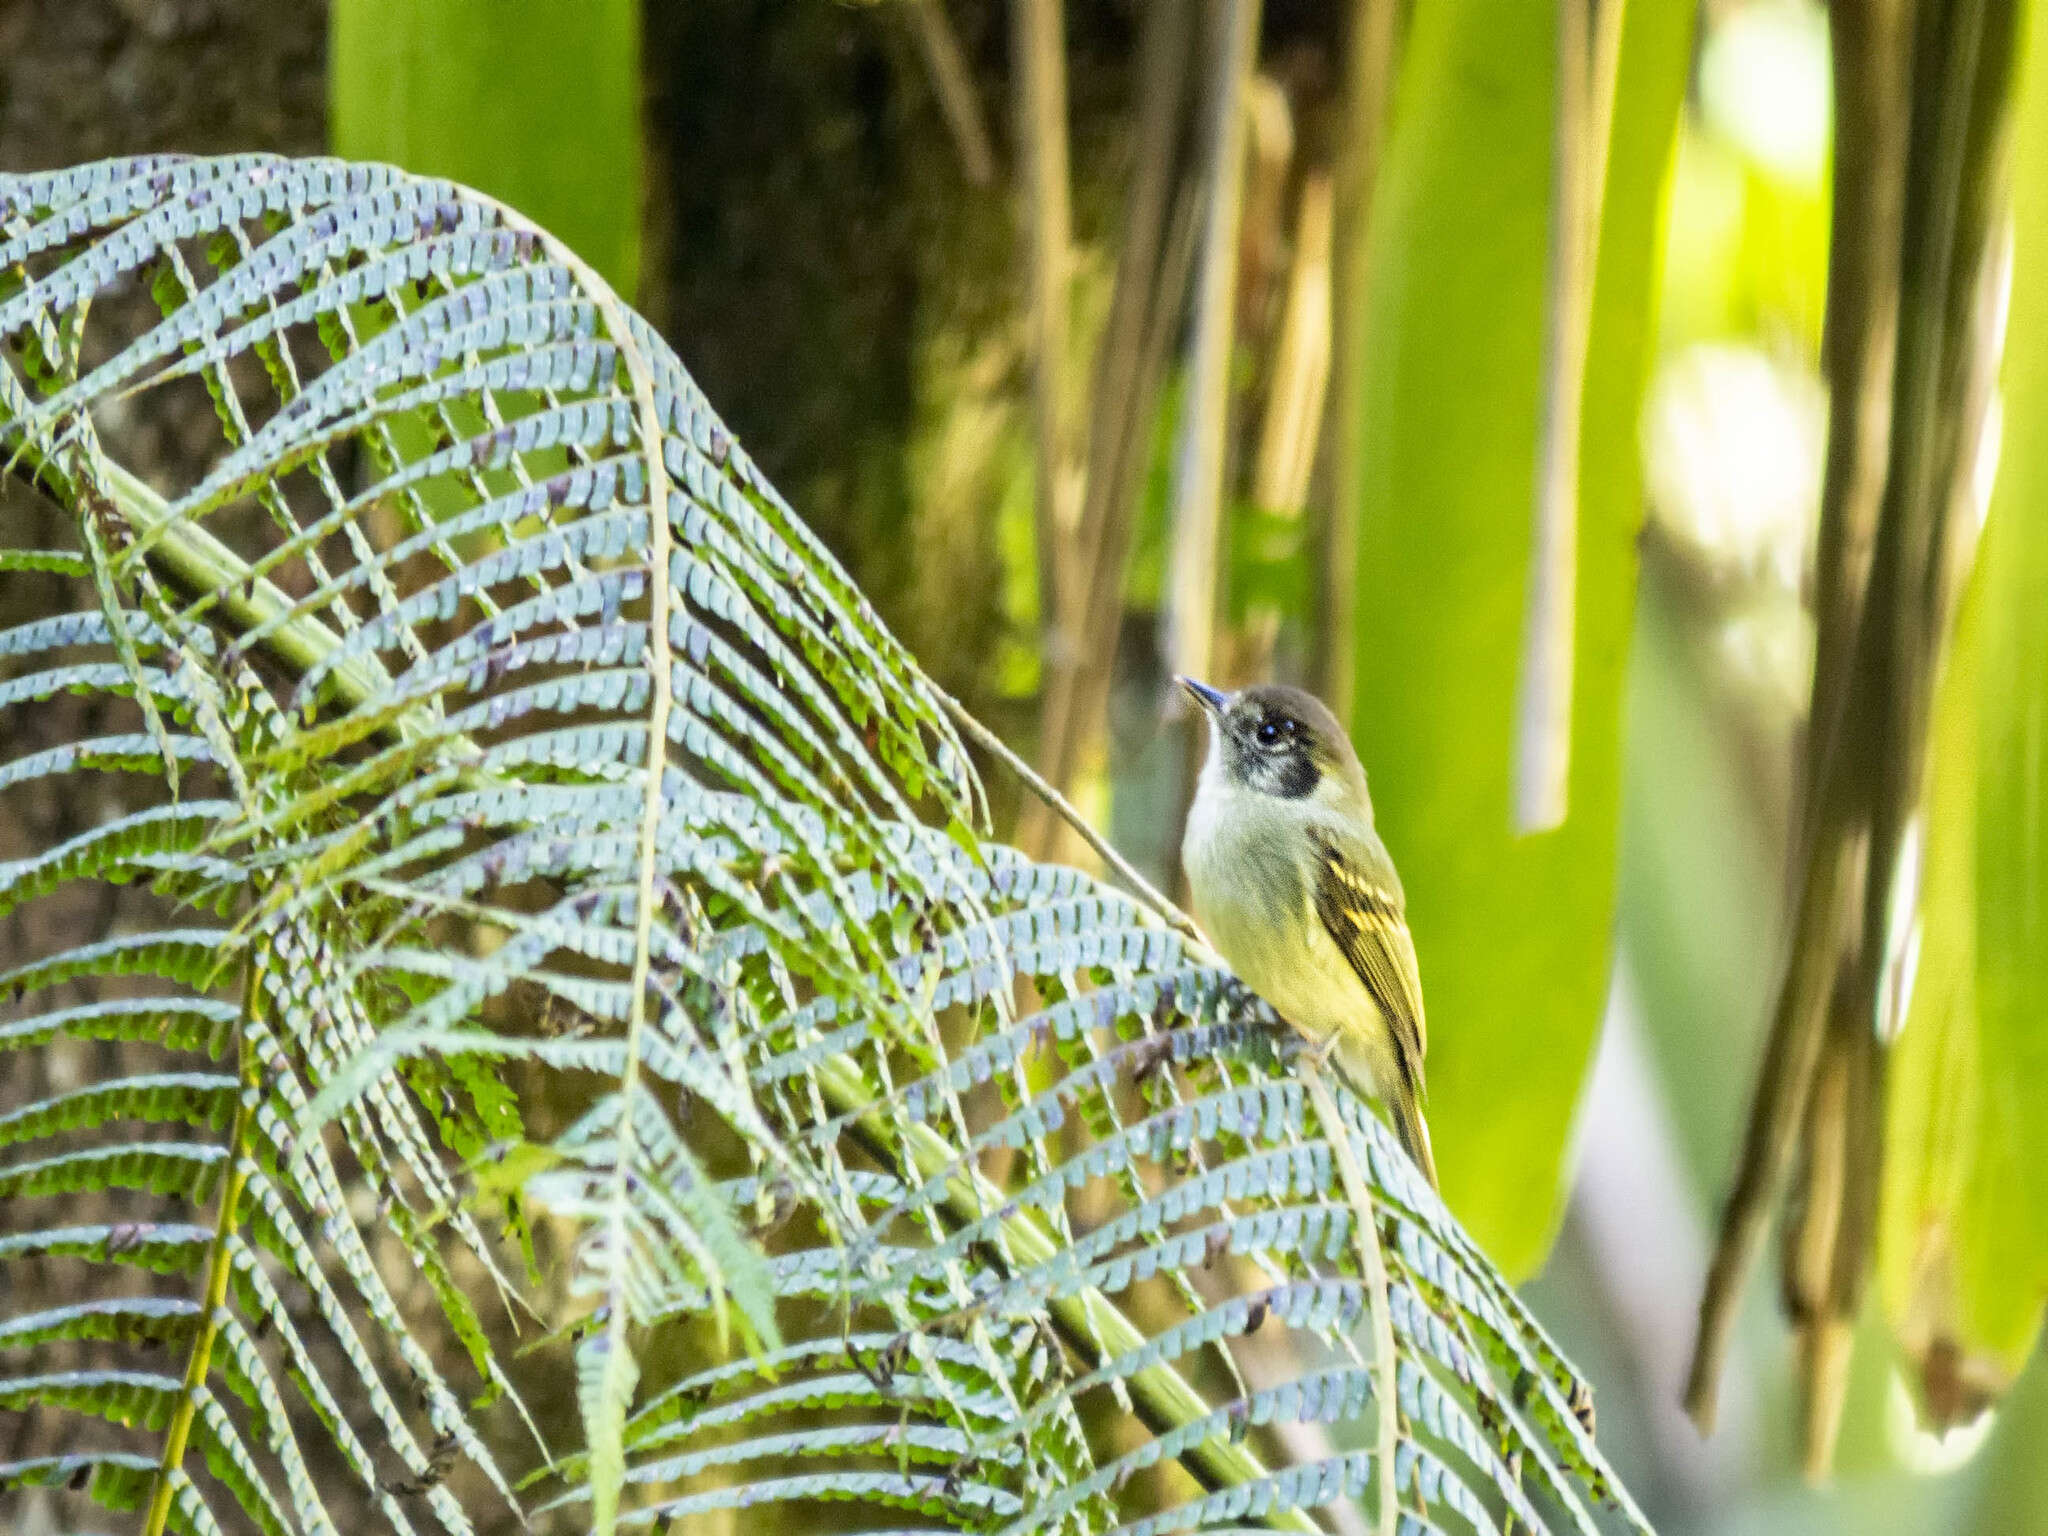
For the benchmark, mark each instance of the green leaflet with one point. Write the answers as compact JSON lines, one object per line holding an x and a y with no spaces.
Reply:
{"x":541,"y":111}
{"x":1513,"y":933}
{"x":198,"y":1099}
{"x":113,"y":1479}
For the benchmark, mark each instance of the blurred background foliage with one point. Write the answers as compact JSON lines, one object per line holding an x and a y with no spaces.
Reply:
{"x":1102,"y":342}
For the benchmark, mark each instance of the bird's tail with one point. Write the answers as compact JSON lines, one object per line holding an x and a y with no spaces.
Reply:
{"x":1413,"y":1131}
{"x":1383,"y":1082}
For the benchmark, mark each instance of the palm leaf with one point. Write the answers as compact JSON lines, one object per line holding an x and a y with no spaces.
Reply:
{"x":494,"y":848}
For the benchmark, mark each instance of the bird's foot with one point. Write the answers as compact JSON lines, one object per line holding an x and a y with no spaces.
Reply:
{"x":1320,"y":1051}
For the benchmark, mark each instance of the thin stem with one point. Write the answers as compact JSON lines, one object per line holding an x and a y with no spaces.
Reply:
{"x":1295,"y":416}
{"x":953,"y":84}
{"x":1543,"y":704}
{"x":1368,"y":83}
{"x":1151,"y":282}
{"x":1078,"y":695}
{"x":1190,"y":619}
{"x":1038,"y":46}
{"x":1604,"y":82}
{"x":1867,"y":738}
{"x":1791,"y":1056}
{"x":1142,"y":888}
{"x":1871,"y":44}
{"x":219,"y":1266}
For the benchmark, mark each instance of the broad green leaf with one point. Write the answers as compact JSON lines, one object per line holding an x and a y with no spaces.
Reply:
{"x":1933,"y":1193}
{"x":1513,"y":933}
{"x":1991,"y":764}
{"x":1962,"y":1260}
{"x":2012,"y":742}
{"x":536,"y":104}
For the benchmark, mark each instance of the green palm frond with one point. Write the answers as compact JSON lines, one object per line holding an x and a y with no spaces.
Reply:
{"x":485,"y":872}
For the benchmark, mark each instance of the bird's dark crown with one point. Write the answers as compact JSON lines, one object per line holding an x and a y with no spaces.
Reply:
{"x":1281,"y":741}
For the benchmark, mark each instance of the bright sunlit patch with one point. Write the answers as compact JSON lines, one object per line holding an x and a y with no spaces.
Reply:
{"x":1734,"y":459}
{"x":1767,"y":646}
{"x":1902,"y":932}
{"x":1765,"y":86}
{"x":1923,"y":1450}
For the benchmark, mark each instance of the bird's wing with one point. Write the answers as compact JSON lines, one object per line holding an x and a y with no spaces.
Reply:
{"x":1358,"y":897}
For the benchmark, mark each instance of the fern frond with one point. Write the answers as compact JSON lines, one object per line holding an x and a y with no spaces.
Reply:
{"x":523,"y":853}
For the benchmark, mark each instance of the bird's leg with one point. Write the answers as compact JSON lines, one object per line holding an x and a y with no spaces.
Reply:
{"x":1320,"y":1051}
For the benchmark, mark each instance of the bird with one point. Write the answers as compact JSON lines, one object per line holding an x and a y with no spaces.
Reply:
{"x":1298,"y":894}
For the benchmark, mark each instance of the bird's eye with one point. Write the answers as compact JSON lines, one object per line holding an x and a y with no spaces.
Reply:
{"x":1270,"y":731}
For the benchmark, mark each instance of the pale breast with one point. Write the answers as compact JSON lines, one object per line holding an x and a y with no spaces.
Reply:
{"x":1256,"y":904}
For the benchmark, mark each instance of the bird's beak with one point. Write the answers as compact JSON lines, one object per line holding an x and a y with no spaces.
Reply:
{"x":1209,"y":698}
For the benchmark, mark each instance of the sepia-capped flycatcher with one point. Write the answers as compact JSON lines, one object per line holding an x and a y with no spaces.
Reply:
{"x":1296,"y":889}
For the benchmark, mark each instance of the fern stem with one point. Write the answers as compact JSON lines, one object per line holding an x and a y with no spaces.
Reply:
{"x":201,"y":563}
{"x":620,"y":1375}
{"x":219,"y":1266}
{"x":1034,"y":781}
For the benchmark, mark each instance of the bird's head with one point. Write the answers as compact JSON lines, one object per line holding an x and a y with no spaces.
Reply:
{"x":1274,"y":740}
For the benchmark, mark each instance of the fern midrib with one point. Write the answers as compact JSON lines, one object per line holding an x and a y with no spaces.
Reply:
{"x":619,"y":1373}
{"x":195,"y":559}
{"x":219,"y":1267}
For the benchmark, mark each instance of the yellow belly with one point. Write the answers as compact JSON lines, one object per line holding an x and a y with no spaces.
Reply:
{"x":1260,"y":915}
